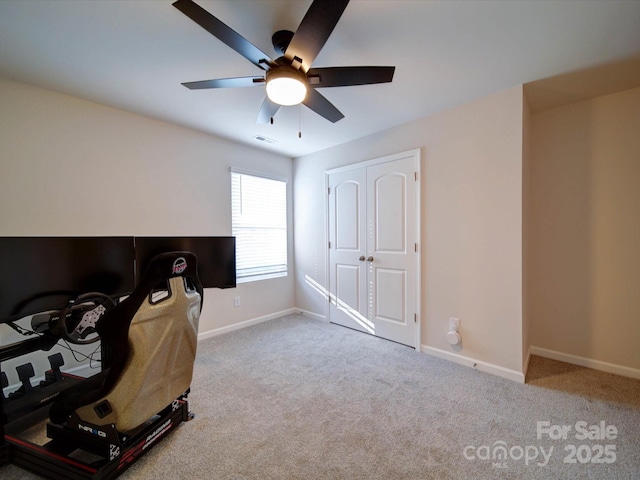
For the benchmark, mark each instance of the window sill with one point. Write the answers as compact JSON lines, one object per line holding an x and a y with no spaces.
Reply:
{"x":256,"y":278}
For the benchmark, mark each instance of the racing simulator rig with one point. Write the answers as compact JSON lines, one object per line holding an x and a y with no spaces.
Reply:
{"x":145,"y":327}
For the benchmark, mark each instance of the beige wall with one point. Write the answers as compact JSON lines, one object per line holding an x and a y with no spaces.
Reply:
{"x":530,"y":221}
{"x":471,"y":235}
{"x":584,"y":259}
{"x":73,"y":167}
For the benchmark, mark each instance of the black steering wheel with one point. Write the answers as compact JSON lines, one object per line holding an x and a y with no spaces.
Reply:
{"x":78,"y":319}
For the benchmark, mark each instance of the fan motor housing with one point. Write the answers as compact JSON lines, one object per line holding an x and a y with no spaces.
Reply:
{"x":286,"y":71}
{"x":281,"y":40}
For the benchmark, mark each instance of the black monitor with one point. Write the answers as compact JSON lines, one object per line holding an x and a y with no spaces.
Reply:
{"x":216,"y":256}
{"x":44,"y":273}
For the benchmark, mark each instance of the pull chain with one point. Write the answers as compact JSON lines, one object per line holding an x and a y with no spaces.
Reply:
{"x":299,"y":121}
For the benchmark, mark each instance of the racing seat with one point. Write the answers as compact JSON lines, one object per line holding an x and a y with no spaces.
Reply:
{"x":152,"y":345}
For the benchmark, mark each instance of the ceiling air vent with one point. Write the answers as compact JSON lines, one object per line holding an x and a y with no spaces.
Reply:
{"x":262,"y":138}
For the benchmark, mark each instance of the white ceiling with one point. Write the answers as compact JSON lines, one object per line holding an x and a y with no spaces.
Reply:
{"x":133,"y":55}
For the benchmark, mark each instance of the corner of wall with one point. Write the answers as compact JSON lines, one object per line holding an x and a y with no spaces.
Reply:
{"x":526,"y":220}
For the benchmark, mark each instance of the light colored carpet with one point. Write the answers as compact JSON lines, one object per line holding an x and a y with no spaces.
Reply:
{"x":297,"y":398}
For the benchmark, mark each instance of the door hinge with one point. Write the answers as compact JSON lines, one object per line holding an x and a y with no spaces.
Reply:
{"x":329,"y":244}
{"x":415,"y":318}
{"x":415,"y":247}
{"x":328,"y":190}
{"x":415,"y":176}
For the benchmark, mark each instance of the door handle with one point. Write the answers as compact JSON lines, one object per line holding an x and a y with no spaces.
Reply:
{"x":369,"y":259}
{"x":361,"y":258}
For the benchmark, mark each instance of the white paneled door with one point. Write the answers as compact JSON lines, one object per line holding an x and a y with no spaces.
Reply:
{"x":373,"y":247}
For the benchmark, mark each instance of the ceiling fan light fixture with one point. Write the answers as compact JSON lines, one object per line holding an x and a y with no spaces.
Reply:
{"x":286,"y":86}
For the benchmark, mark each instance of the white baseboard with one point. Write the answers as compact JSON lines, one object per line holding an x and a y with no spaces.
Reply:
{"x":586,"y":362}
{"x":247,"y":323}
{"x":315,"y":316}
{"x":475,"y":364}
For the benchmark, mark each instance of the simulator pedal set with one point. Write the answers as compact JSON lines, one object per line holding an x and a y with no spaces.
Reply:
{"x":28,"y":398}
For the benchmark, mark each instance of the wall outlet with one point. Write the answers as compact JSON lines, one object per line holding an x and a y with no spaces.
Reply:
{"x":236,"y":301}
{"x":454,"y":324}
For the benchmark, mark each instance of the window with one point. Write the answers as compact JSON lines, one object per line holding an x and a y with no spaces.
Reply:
{"x":259,"y":223}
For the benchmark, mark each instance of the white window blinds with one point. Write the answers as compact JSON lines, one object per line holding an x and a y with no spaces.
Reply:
{"x":259,"y":223}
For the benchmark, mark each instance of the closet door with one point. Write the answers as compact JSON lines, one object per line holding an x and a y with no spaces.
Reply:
{"x":347,"y":249}
{"x":391,"y":249}
{"x":373,"y":259}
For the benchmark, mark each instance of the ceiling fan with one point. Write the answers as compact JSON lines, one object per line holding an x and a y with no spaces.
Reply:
{"x":289,"y":80}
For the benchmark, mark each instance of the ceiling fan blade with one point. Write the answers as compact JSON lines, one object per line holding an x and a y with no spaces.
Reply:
{"x":267,"y":111}
{"x":223,"y":33}
{"x":323,"y":107}
{"x":346,"y":76}
{"x":314,"y":30}
{"x":225,"y":83}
